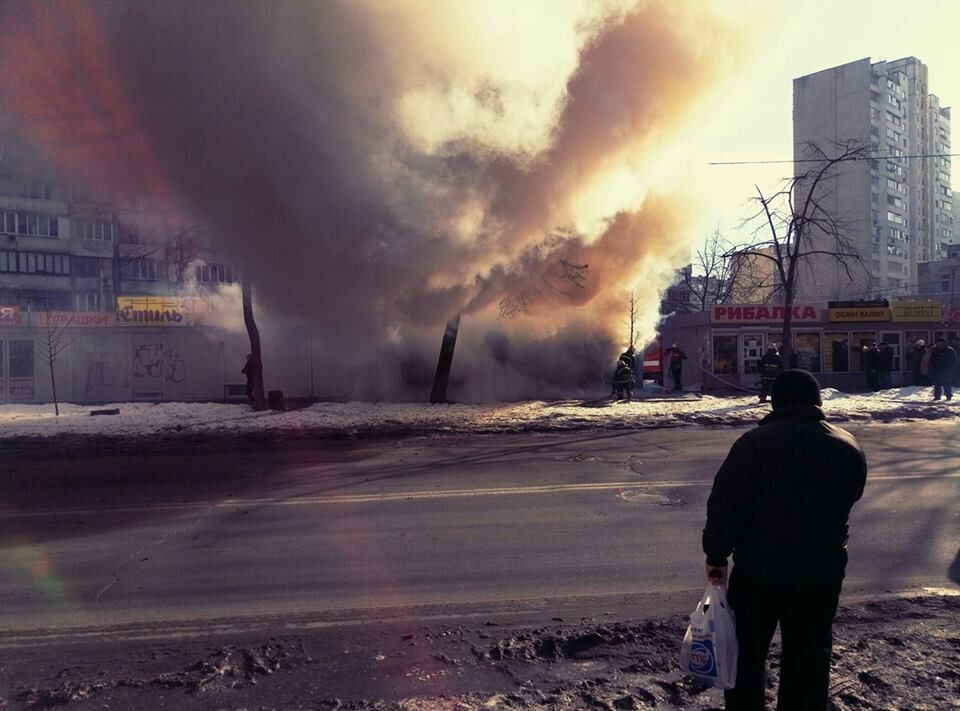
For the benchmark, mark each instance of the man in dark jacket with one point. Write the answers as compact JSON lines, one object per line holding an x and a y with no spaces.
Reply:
{"x":780,"y":504}
{"x":943,"y":362}
{"x":884,"y":358}
{"x":869,"y":358}
{"x":676,"y":357}
{"x":771,"y":365}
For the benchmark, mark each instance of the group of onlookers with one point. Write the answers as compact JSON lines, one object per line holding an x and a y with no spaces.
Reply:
{"x":937,"y":365}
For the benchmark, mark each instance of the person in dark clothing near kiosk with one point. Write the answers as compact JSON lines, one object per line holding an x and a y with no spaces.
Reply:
{"x":943,"y":363}
{"x":771,"y":365}
{"x":780,"y":504}
{"x":884,"y":366}
{"x":676,"y":358}
{"x":868,"y":360}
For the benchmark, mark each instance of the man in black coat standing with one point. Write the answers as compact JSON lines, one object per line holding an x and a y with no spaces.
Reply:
{"x":943,"y":362}
{"x":780,"y":504}
{"x":771,"y":365}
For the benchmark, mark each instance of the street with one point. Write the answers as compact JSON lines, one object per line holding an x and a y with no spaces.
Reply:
{"x":418,"y":527}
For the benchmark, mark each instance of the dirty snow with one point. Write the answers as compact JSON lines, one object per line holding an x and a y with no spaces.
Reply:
{"x":652,"y":409}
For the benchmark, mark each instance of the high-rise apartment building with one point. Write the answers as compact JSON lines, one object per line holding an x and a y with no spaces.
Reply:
{"x":896,"y":208}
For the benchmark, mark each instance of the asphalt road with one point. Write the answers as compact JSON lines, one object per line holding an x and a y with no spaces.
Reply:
{"x":174,"y":545}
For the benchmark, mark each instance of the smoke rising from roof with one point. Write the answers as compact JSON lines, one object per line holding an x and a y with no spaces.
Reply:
{"x":376,"y":167}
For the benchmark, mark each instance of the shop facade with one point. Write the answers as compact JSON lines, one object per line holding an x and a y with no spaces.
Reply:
{"x":827,"y":340}
{"x":152,"y":349}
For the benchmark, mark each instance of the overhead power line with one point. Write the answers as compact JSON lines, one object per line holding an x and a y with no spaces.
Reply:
{"x":824,"y":160}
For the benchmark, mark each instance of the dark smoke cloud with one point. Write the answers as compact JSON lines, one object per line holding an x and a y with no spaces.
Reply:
{"x":374,"y":176}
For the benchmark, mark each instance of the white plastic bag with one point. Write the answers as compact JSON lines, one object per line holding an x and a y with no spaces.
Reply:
{"x":709,"y":650}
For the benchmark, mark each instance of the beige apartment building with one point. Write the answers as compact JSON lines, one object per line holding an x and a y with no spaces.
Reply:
{"x":896,"y":208}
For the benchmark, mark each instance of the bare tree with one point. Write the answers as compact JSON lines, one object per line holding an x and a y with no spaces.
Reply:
{"x":51,"y":342}
{"x":795,"y":225}
{"x":719,"y":275}
{"x":633,"y":318}
{"x":562,"y":281}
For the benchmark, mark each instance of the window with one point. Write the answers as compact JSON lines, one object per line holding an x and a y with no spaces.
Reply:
{"x":946,"y":285}
{"x":838,"y":348}
{"x":29,"y":223}
{"x":34,"y":263}
{"x":93,"y":229}
{"x":88,"y":301}
{"x":220,"y":274}
{"x":21,"y":359}
{"x":893,"y":135}
{"x":895,"y":185}
{"x":894,"y":119}
{"x":807,"y":348}
{"x":140,"y":270}
{"x":894,"y":217}
{"x":893,"y":151}
{"x":86,"y":266}
{"x":38,"y":191}
{"x":895,"y":201}
{"x":896,"y":233}
{"x":725,"y":360}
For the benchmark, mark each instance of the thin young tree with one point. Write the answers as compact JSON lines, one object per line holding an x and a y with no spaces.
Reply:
{"x":797,"y":224}
{"x":51,"y":342}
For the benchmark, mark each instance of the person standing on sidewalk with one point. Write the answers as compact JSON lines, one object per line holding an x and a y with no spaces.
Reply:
{"x":771,"y":365}
{"x":780,"y":504}
{"x":676,"y":357}
{"x":943,"y":361}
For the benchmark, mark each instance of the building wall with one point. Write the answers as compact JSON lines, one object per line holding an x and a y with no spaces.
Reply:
{"x":897,"y":208}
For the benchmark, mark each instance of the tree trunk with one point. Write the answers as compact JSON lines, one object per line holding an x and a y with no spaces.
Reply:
{"x":439,"y":392}
{"x":53,"y":384}
{"x":259,"y":401}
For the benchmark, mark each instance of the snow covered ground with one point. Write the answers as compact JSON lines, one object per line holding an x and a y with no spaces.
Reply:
{"x":652,"y":409}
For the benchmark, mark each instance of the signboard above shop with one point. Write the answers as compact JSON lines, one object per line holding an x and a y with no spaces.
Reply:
{"x":159,"y":310}
{"x":762,"y":313}
{"x":921,"y":311}
{"x":860,"y":313}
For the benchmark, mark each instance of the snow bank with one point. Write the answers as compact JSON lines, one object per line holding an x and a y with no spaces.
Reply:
{"x":652,"y":410}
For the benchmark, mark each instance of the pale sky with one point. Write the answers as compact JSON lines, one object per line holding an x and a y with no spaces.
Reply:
{"x":751,"y":116}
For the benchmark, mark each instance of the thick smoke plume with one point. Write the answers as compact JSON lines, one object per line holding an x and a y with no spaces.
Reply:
{"x":376,"y":167}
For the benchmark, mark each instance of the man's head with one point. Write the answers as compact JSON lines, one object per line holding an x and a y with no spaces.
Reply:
{"x":675,"y":346}
{"x":795,"y":387}
{"x":772,"y":348}
{"x":941,"y":344}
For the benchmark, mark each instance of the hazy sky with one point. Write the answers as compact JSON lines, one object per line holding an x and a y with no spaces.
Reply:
{"x":750,"y":117}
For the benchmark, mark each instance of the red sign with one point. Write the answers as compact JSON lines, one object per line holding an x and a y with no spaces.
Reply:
{"x":9,"y":316}
{"x":762,"y":313}
{"x":951,"y":315}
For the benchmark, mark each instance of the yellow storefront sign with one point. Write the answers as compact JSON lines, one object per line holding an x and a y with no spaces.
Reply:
{"x":923,"y":311}
{"x":865,"y":313}
{"x":159,"y":310}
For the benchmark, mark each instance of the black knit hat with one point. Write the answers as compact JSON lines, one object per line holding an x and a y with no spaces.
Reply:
{"x":795,"y":387}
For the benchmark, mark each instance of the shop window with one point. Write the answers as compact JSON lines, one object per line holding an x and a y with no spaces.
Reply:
{"x":725,"y":355}
{"x":21,"y":359}
{"x":807,"y":349}
{"x":838,"y":352}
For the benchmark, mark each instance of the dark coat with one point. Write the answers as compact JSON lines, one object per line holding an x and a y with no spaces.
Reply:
{"x":869,"y":359}
{"x":623,"y":375}
{"x":782,"y":498}
{"x":677,"y":357}
{"x":943,"y":363}
{"x":884,"y":359}
{"x":771,"y":365}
